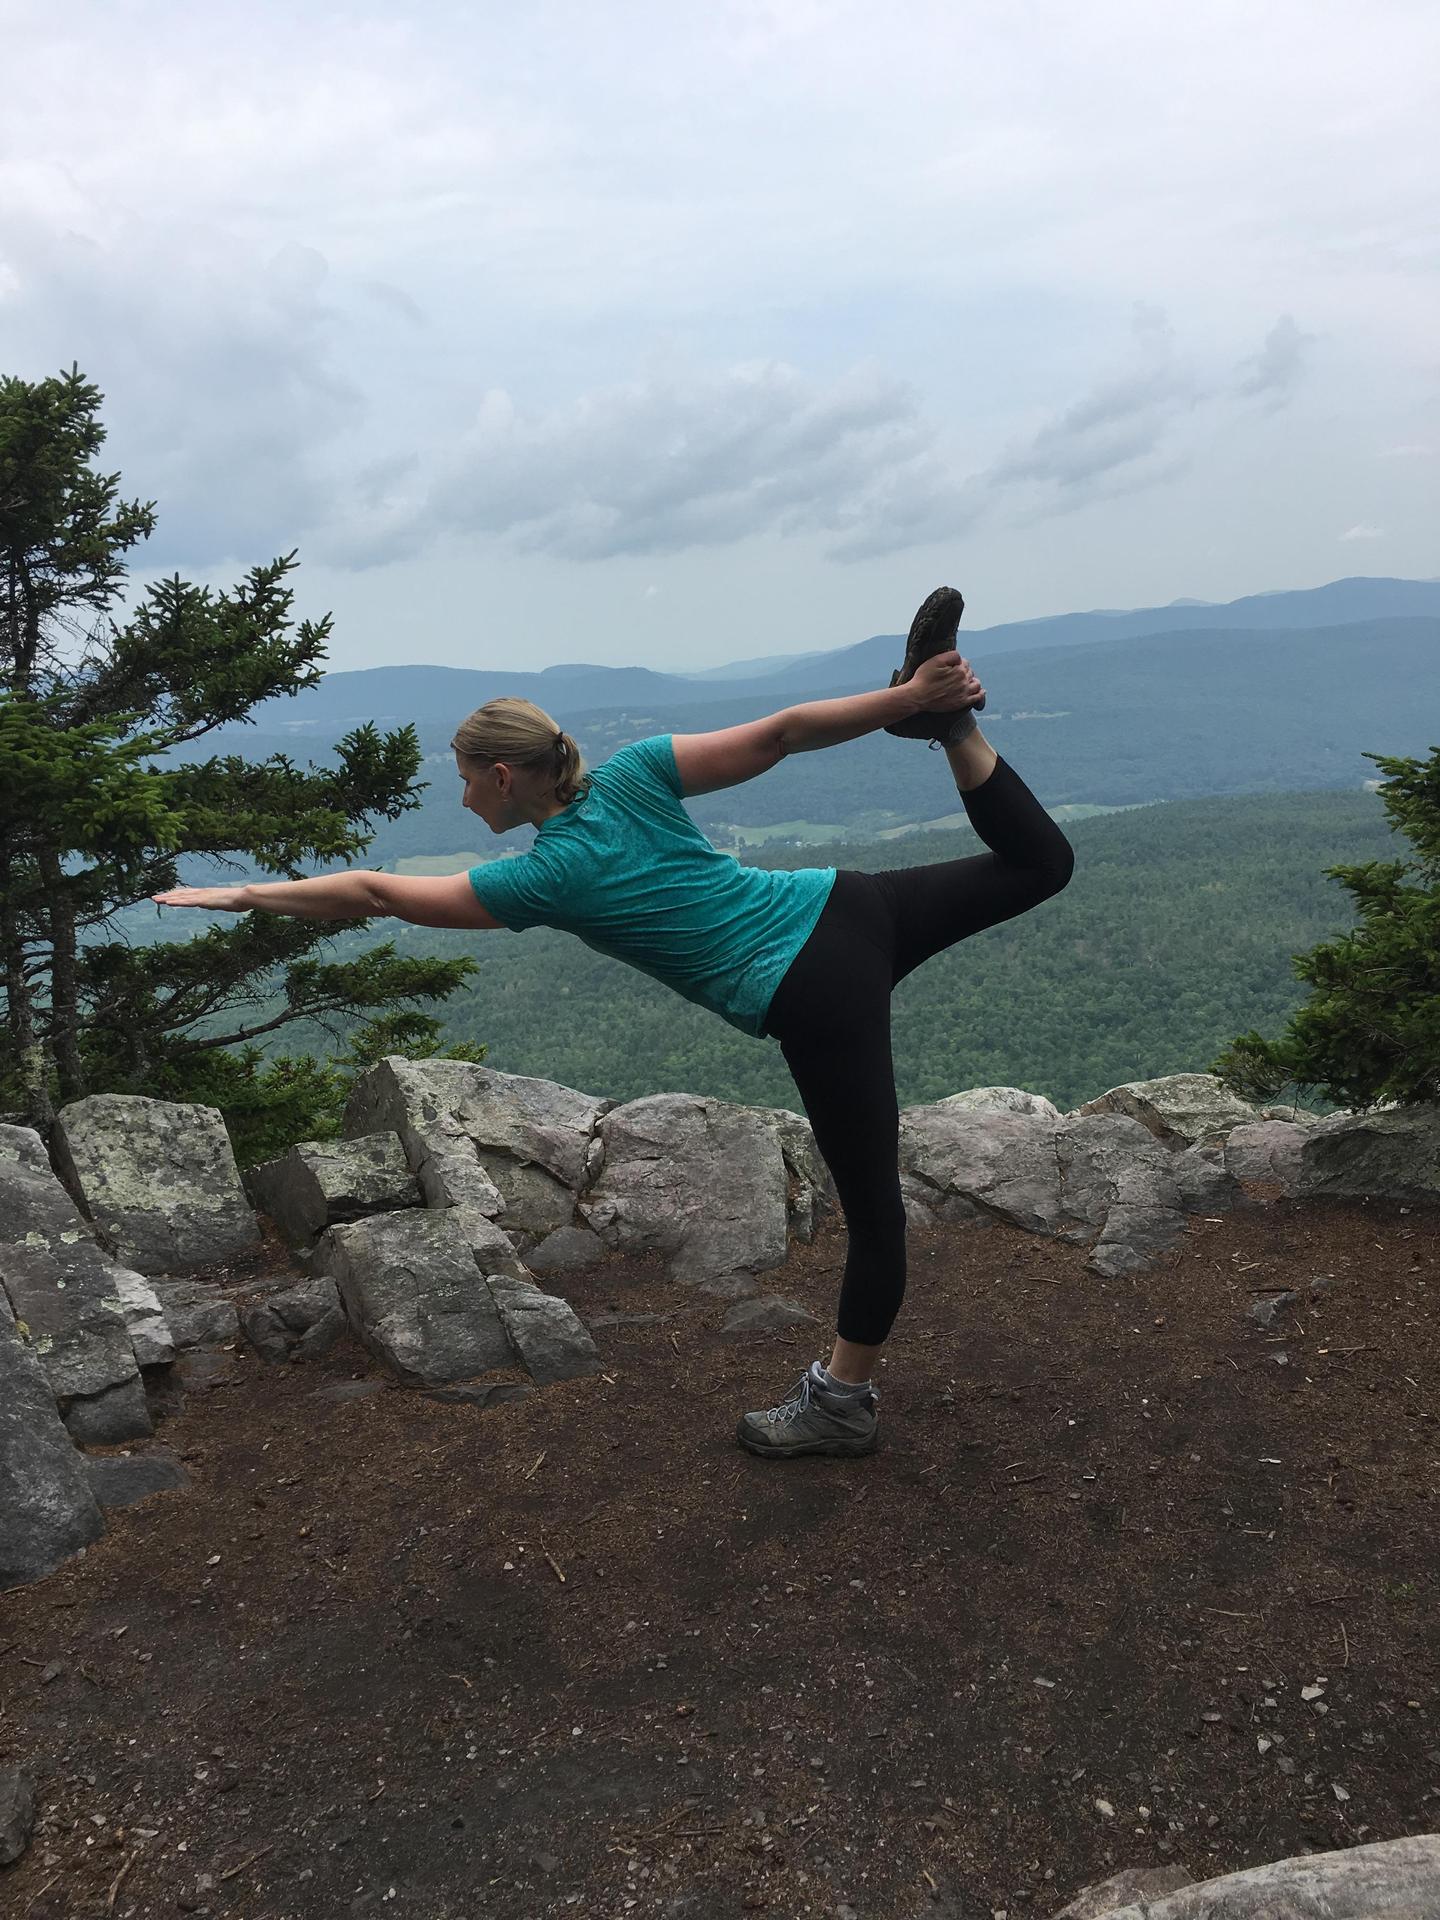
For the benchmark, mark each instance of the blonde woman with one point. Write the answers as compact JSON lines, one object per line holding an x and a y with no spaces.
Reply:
{"x":807,"y":957}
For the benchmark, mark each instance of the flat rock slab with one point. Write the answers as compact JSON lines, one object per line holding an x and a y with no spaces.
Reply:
{"x":703,"y":1182}
{"x":1395,"y":1880}
{"x":324,"y":1183}
{"x":415,"y":1296}
{"x":515,"y":1147}
{"x":158,"y":1178}
{"x":120,"y":1479}
{"x":47,"y":1511}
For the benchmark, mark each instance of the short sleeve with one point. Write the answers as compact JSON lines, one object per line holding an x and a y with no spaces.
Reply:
{"x":652,"y":761}
{"x":508,"y":891}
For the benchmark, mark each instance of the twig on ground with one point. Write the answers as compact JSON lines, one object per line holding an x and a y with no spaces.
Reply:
{"x":116,"y":1883}
{"x":1346,"y":1638}
{"x":530,"y":1471}
{"x":250,"y":1859}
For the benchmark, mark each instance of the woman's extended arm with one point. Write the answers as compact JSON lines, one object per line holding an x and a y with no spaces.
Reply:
{"x":353,"y":894}
{"x":706,"y":761}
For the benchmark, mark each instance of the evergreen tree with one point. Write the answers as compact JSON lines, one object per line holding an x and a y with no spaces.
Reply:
{"x":1370,"y":1032}
{"x":102,"y":789}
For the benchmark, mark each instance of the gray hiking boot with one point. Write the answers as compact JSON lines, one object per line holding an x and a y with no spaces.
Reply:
{"x":933,"y":630}
{"x":811,"y":1420}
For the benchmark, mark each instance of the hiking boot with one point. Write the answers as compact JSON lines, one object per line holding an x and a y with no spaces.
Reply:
{"x":932,"y":631}
{"x":811,"y":1419}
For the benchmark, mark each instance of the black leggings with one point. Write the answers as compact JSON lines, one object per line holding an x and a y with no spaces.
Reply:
{"x":831,"y":1015}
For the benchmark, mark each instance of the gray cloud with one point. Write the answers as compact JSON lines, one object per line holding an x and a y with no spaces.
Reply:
{"x":1272,"y":374}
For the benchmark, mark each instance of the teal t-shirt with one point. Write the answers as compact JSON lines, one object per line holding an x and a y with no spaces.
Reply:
{"x":627,"y":871}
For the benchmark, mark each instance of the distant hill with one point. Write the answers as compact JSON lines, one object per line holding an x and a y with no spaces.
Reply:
{"x":435,"y":696}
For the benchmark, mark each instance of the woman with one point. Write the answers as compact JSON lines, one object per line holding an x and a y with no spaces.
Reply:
{"x":808,"y":957}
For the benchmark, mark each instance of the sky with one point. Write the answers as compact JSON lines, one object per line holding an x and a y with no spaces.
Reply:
{"x":671,"y":334}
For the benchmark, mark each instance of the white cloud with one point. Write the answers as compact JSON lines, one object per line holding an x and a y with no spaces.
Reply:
{"x":1360,"y":531}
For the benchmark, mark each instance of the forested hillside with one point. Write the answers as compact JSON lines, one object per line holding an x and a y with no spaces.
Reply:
{"x":1175,"y":935}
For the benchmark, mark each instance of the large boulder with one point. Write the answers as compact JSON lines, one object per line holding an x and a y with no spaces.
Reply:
{"x":1269,"y":1151}
{"x":1182,"y":1109}
{"x":1391,"y":1153}
{"x":1102,"y":1180}
{"x":414,"y":1290}
{"x":500,"y":1144}
{"x":47,"y":1511}
{"x":1392,"y":1880}
{"x":65,"y":1297}
{"x":158,"y":1178}
{"x":702,"y":1182}
{"x":324,"y":1183}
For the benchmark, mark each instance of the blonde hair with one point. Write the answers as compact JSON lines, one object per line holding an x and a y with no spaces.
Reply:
{"x":523,"y":735}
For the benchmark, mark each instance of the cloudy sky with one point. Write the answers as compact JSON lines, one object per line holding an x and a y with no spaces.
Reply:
{"x":675,"y":334}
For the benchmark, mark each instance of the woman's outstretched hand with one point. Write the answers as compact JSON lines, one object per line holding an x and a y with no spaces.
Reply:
{"x":218,"y":899}
{"x":945,"y":683}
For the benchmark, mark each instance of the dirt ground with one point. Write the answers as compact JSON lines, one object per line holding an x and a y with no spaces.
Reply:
{"x":1131,"y":1580}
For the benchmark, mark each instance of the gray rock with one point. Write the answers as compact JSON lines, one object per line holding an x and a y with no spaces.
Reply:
{"x":1180,"y":1109}
{"x":501,"y":1143}
{"x":35,"y":1210}
{"x":285,"y":1320}
{"x":1205,"y":1183}
{"x":47,"y":1511}
{"x":1000,"y":1100}
{"x":17,"y":1812}
{"x":65,"y":1296}
{"x":23,"y":1147}
{"x":566,"y":1250}
{"x":110,"y":1418}
{"x":120,"y":1479}
{"x":1135,"y":1884}
{"x":196,"y":1314}
{"x":266,"y":1334}
{"x":320,"y":1339}
{"x":144,"y":1318}
{"x":702,"y":1182}
{"x":1394,"y":1880}
{"x":1268,"y":1151}
{"x":415,"y":1296}
{"x":481,"y":1394}
{"x":765,"y":1315}
{"x":1391,"y":1153}
{"x":549,"y":1341}
{"x":810,"y":1189}
{"x":158,"y":1178}
{"x":1294,"y":1116}
{"x":320,"y":1184}
{"x":1264,"y":1311}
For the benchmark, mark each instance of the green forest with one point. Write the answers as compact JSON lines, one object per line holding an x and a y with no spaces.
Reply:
{"x":1176,"y":934}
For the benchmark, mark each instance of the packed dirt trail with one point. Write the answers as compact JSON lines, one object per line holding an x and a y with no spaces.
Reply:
{"x":1132,"y":1579}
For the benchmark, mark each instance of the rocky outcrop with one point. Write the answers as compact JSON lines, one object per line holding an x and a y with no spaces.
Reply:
{"x":702,"y":1182}
{"x":325,"y":1183}
{"x":47,"y":1511}
{"x":511,"y":1148}
{"x":1393,"y":1880}
{"x":1182,"y":1109}
{"x":159,"y":1180}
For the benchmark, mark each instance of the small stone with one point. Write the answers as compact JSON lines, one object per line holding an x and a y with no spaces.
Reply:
{"x":1338,"y":1791}
{"x":1104,"y":1808}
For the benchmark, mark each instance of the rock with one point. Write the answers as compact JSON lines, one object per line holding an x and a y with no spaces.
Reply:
{"x":566,"y":1250}
{"x":765,"y":1315}
{"x":158,"y":1178}
{"x":1264,"y":1310}
{"x":286,"y":1319}
{"x":64,"y":1294}
{"x":108,"y":1418}
{"x":23,"y":1147}
{"x":1393,"y":1880}
{"x":700,"y":1181}
{"x":321,"y":1184}
{"x":1004,"y":1164}
{"x":810,"y":1189}
{"x":415,"y":1296}
{"x":1098,"y":1902}
{"x":47,"y":1511}
{"x":1268,"y":1151}
{"x":145,"y":1322}
{"x":1000,"y":1100}
{"x":507,"y":1145}
{"x":196,"y":1314}
{"x":481,"y":1394}
{"x":35,"y":1209}
{"x":1180,"y":1109}
{"x":1391,"y":1153}
{"x":549,"y":1341}
{"x":120,"y":1479}
{"x":17,"y":1812}
{"x":1293,"y":1116}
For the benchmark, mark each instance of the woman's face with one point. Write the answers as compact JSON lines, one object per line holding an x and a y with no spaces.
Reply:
{"x":485,"y":790}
